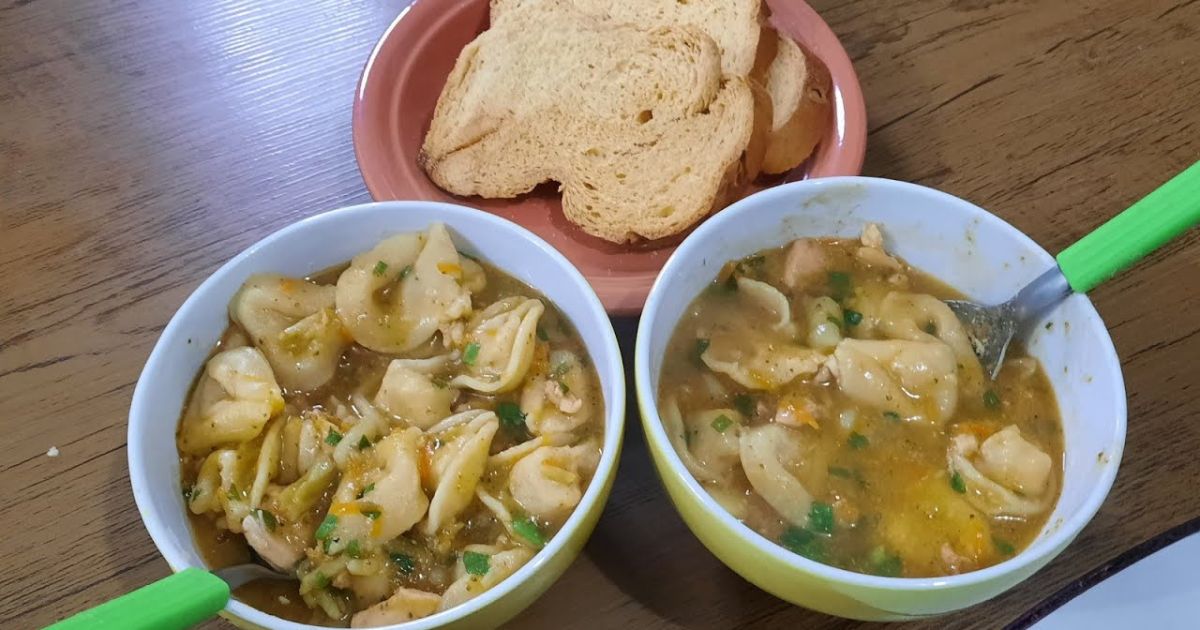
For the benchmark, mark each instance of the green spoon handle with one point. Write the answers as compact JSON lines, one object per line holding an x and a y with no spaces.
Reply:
{"x":176,"y":602}
{"x":1128,"y":237}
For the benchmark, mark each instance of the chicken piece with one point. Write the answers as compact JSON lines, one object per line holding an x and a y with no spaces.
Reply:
{"x":805,"y":261}
{"x":565,"y":402}
{"x":797,"y":412}
{"x":954,"y":562}
{"x":871,"y":236}
{"x":405,"y":605}
{"x":872,"y":252}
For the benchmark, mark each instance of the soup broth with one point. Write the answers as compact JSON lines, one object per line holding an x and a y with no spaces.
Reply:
{"x":397,"y":468}
{"x":825,"y":395}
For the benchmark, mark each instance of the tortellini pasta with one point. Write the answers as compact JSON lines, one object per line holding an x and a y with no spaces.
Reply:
{"x":385,"y":500}
{"x":235,"y":398}
{"x":469,"y":585}
{"x":410,"y":393}
{"x":1016,"y":478}
{"x":500,"y":345}
{"x":405,"y":604}
{"x":920,"y":317}
{"x":458,"y":463}
{"x":293,"y":323}
{"x":548,"y":482}
{"x":916,"y":379}
{"x":707,"y":444}
{"x":770,"y":300}
{"x":556,"y":401}
{"x":769,"y":453}
{"x":760,"y":363}
{"x":395,"y":297}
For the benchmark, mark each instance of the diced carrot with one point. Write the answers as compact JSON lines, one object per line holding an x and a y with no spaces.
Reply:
{"x":450,"y":269}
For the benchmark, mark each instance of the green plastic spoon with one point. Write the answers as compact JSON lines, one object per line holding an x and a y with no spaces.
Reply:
{"x":1125,"y":239}
{"x":175,"y":602}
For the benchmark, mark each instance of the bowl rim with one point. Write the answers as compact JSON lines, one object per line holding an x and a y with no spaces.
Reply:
{"x":140,"y":413}
{"x":689,"y":250}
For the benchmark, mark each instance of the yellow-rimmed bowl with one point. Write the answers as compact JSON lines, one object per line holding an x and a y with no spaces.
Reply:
{"x":318,"y":243}
{"x":960,"y":244}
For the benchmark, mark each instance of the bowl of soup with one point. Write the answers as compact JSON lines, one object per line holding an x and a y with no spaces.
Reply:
{"x":414,"y":409}
{"x":819,"y":418}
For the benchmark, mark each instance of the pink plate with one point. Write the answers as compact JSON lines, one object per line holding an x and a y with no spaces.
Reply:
{"x":403,"y":78}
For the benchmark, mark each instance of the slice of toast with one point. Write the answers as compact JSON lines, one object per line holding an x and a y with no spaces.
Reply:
{"x":735,"y":25}
{"x":800,"y":87}
{"x":639,"y":127}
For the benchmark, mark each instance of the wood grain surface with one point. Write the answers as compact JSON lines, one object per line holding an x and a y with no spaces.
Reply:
{"x":145,"y":142}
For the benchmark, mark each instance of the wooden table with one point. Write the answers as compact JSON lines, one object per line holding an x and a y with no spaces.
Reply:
{"x":143,"y":143}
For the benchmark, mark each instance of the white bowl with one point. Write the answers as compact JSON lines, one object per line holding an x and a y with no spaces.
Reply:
{"x":968,"y":248}
{"x":321,"y":242}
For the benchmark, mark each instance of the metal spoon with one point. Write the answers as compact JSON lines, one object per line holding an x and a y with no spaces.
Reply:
{"x":175,"y":602}
{"x":1145,"y":226}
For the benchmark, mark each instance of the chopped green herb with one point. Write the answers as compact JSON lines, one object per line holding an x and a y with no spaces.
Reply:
{"x":566,"y":389}
{"x":991,"y":400}
{"x":363,"y":442}
{"x":852,"y":317}
{"x":326,"y":528}
{"x":511,"y":416}
{"x":838,"y":471}
{"x":471,"y":353}
{"x":333,"y":438}
{"x":321,"y":580}
{"x":541,"y":333}
{"x":956,"y":482}
{"x":380,"y":268}
{"x":884,"y":563}
{"x":721,"y":423}
{"x":1003,"y":546}
{"x":820,"y":518}
{"x":744,"y":404}
{"x":839,"y":284}
{"x":403,"y":562}
{"x":803,"y":542}
{"x":406,"y":271}
{"x":699,"y":349}
{"x":267,"y":518}
{"x":529,"y":530}
{"x":560,"y":369}
{"x":362,"y":493}
{"x":372,"y":513}
{"x":476,"y":563}
{"x":234,"y":493}
{"x":930,"y":328}
{"x":353,"y":550}
{"x":892,"y":415}
{"x":857,"y":440}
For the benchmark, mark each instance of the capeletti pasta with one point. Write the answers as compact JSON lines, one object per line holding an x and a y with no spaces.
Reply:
{"x":826,"y":396}
{"x":402,"y":433}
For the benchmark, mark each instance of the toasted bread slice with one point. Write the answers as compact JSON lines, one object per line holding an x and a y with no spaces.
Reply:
{"x":736,"y":25}
{"x":639,"y":127}
{"x":800,"y":86}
